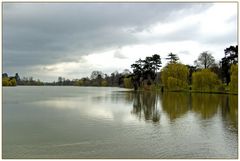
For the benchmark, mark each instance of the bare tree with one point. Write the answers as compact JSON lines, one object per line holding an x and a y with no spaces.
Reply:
{"x":205,"y":60}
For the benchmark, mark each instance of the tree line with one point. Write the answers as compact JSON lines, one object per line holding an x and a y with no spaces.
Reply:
{"x":16,"y":80}
{"x":205,"y":75}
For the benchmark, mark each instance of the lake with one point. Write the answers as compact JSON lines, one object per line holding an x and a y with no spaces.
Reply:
{"x":104,"y":122}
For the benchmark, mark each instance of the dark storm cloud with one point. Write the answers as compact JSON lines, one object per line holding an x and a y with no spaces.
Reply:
{"x":48,"y":33}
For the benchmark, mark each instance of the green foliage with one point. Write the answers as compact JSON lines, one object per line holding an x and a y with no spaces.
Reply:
{"x":175,"y":76}
{"x":145,"y":70}
{"x":172,"y":83}
{"x":103,"y":83}
{"x":5,"y":81}
{"x":78,"y":83}
{"x":205,"y":80}
{"x":233,"y":85}
{"x":9,"y":82}
{"x":154,"y":87}
{"x":39,"y":83}
{"x":13,"y":82}
{"x":222,"y":87}
{"x":128,"y":83}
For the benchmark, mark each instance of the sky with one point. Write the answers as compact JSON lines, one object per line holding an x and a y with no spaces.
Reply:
{"x":48,"y":40}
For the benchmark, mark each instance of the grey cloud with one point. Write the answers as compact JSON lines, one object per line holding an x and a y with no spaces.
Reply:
{"x":49,"y":68}
{"x":184,"y":52}
{"x":119,"y":55}
{"x":48,"y":33}
{"x":192,"y":32}
{"x":229,"y":38}
{"x":184,"y":33}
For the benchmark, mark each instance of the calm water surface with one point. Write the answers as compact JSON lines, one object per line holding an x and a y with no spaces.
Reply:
{"x":92,"y":122}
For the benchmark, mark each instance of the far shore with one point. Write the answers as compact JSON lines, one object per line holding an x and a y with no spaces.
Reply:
{"x":140,"y":90}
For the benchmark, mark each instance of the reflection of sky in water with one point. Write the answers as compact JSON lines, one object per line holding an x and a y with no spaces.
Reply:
{"x":83,"y":108}
{"x":108,"y":122}
{"x":116,"y":106}
{"x":100,"y":108}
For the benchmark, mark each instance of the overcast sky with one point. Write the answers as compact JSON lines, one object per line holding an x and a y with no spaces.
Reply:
{"x":47,"y":40}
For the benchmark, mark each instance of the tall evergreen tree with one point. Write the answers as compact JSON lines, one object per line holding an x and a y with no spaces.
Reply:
{"x":231,"y":57}
{"x":173,"y":58}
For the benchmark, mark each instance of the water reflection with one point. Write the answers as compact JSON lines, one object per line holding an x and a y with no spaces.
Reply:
{"x":70,"y":122}
{"x":145,"y":105}
{"x":175,"y":104}
{"x":151,"y":105}
{"x":115,"y":97}
{"x":229,"y":109}
{"x":205,"y":104}
{"x":233,"y":112}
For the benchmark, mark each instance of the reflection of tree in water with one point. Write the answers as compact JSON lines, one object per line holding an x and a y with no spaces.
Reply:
{"x":114,"y":97}
{"x":175,"y":104}
{"x":129,"y":96}
{"x":229,"y":105}
{"x":233,"y":113}
{"x":233,"y":102}
{"x":205,"y":104}
{"x":122,"y":96}
{"x":145,"y":106}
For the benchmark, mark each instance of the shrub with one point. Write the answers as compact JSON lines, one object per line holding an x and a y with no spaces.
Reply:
{"x":13,"y":82}
{"x":104,"y":83}
{"x":127,"y":83}
{"x":233,"y":85}
{"x":175,"y":76}
{"x":5,"y":81}
{"x":205,"y":80}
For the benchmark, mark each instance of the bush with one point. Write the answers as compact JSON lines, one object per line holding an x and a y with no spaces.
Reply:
{"x":5,"y":81}
{"x":104,"y":83}
{"x":9,"y":82}
{"x":175,"y":76}
{"x":222,"y":88}
{"x":13,"y":82}
{"x":205,"y":80}
{"x":127,"y":83}
{"x":233,"y":85}
{"x":78,"y":83}
{"x":172,"y":83}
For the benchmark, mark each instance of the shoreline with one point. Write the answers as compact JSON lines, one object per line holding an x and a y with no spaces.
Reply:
{"x":141,"y":90}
